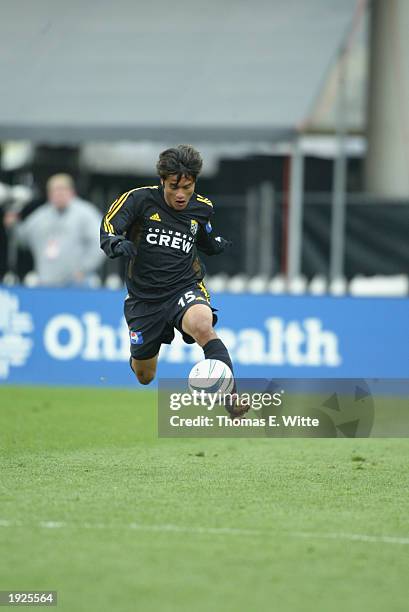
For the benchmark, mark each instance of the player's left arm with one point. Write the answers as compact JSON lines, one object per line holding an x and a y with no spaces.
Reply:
{"x":207,"y":242}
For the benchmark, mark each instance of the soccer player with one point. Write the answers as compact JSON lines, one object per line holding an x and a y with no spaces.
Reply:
{"x":159,"y":230}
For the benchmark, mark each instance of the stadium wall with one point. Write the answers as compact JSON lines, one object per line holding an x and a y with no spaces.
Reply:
{"x":79,"y":337}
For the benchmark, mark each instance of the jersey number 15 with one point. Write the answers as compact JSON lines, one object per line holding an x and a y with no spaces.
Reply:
{"x":188,"y":297}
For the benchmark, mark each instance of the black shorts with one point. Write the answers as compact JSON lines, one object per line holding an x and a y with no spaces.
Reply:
{"x":151,"y":324}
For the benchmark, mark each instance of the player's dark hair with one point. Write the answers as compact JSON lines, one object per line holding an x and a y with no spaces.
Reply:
{"x":182,"y":160}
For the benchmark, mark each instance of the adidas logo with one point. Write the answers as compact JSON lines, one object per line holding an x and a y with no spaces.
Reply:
{"x":155,"y":217}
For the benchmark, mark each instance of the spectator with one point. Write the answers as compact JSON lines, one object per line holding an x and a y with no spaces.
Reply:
{"x":62,"y":234}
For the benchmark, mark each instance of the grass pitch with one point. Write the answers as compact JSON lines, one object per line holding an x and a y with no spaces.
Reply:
{"x":94,"y":505}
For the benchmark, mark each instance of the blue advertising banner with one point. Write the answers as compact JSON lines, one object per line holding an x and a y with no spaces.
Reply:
{"x":79,"y":337}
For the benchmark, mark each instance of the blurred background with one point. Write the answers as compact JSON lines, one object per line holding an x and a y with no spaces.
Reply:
{"x":300,"y":110}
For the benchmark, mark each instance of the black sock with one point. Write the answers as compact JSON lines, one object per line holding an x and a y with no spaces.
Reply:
{"x":215,"y":349}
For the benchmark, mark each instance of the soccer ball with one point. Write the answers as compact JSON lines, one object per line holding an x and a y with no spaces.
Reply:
{"x":211,"y":376}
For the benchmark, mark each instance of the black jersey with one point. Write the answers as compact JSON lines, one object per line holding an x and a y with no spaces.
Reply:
{"x":166,"y":240}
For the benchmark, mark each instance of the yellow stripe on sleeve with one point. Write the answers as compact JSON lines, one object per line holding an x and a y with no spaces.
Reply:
{"x":115,"y":208}
{"x":117,"y":205}
{"x":204,"y":200}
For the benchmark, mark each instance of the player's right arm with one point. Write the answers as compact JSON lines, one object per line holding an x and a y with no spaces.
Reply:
{"x":120,"y":216}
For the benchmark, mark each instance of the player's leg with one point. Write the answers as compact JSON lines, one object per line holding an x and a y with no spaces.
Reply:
{"x":145,"y":369}
{"x":148,"y":329}
{"x":197,"y":322}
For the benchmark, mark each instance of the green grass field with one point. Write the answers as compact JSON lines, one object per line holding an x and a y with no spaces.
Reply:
{"x":94,"y":505}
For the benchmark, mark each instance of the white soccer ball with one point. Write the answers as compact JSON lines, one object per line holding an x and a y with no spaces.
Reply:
{"x":211,"y":376}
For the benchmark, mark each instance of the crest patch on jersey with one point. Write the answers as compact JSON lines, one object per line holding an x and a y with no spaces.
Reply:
{"x":193,"y":227}
{"x":155,"y":217}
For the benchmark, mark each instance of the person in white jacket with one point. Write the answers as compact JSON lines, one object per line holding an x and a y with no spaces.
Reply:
{"x":62,"y":234}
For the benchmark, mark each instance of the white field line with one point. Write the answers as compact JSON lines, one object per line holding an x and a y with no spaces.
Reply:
{"x":196,"y":530}
{"x":358,"y":537}
{"x":352,"y":537}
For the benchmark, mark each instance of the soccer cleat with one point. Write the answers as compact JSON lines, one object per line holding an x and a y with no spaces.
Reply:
{"x":238,"y":408}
